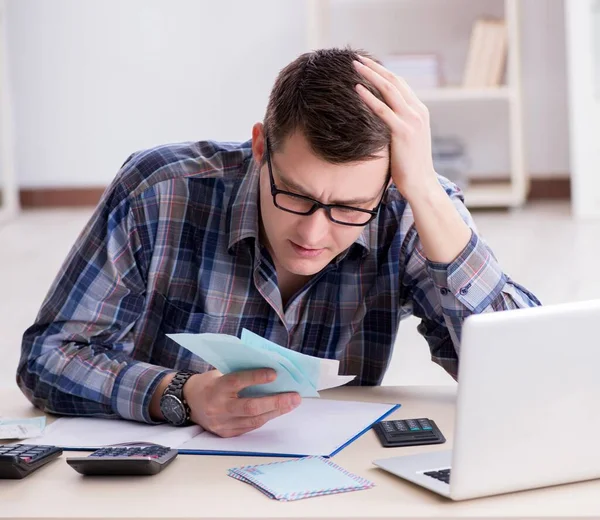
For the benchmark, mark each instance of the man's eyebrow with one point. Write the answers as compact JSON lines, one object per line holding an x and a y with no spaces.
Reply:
{"x":301,"y":191}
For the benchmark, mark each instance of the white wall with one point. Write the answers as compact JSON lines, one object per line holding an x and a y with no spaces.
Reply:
{"x":584,"y":100}
{"x":96,"y":79}
{"x":545,"y":110}
{"x":8,"y":183}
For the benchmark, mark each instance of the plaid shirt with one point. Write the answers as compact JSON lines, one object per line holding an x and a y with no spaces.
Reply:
{"x":174,"y":246}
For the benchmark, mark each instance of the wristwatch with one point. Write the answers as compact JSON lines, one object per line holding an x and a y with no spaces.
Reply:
{"x":173,"y":405}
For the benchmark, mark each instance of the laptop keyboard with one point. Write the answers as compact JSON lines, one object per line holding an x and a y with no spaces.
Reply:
{"x":442,"y":474}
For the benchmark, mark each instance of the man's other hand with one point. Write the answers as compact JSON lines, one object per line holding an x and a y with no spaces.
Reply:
{"x":215,"y":404}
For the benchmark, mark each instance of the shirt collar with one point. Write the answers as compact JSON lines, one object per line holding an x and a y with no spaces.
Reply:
{"x":243,"y":223}
{"x":245,"y":214}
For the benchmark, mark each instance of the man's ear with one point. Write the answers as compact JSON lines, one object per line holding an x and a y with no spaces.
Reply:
{"x":258,"y":142}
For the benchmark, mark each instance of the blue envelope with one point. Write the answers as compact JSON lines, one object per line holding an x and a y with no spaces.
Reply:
{"x":296,"y":372}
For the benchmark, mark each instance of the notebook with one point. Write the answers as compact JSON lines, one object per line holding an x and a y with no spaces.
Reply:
{"x":320,"y":427}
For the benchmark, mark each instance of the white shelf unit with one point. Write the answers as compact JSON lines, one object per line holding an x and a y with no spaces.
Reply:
{"x":510,"y":193}
{"x":9,"y":201}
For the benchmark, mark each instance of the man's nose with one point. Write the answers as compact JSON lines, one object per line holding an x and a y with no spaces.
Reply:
{"x":313,"y":228}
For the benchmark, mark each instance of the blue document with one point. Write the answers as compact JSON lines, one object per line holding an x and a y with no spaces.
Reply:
{"x":296,"y":372}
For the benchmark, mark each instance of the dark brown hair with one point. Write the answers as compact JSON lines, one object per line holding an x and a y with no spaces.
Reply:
{"x":315,"y":94}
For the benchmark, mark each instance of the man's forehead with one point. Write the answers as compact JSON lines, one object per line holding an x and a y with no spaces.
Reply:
{"x":296,"y":143}
{"x":349,"y":184}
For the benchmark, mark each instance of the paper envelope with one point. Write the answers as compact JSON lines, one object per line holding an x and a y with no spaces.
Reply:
{"x":296,"y":372}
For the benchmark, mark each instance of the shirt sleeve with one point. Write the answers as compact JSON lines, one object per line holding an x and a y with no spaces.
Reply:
{"x":444,"y":295}
{"x":77,"y":357}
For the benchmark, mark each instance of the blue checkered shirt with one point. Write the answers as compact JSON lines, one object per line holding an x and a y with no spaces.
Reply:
{"x":174,"y":246}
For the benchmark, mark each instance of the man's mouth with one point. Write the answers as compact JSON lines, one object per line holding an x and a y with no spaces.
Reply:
{"x":306,"y":252}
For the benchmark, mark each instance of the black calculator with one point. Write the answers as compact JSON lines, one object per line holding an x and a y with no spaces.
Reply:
{"x":19,"y":460}
{"x":408,"y":432}
{"x":125,"y":459}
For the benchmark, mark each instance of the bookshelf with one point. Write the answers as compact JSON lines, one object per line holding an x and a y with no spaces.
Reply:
{"x":9,"y":201}
{"x":505,"y":189}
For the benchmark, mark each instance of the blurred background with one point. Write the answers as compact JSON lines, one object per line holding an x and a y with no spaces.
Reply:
{"x":513,"y":89}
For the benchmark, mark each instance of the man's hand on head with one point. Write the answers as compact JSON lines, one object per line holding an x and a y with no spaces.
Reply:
{"x":407,"y":117}
{"x":442,"y":230}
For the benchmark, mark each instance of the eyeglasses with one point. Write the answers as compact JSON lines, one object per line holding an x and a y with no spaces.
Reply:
{"x":301,"y":205}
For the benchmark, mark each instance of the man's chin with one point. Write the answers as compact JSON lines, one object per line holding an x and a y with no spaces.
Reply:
{"x":306,"y":267}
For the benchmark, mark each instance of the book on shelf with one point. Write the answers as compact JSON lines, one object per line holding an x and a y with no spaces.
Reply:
{"x":486,"y":57}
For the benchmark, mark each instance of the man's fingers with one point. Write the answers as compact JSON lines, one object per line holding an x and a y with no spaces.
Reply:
{"x":256,"y":406}
{"x":405,"y":90}
{"x":377,"y":67}
{"x":237,"y":381}
{"x":247,"y":424}
{"x":387,"y":115}
{"x":388,"y":89}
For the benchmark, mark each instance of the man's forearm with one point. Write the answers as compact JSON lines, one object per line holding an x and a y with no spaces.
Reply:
{"x":442,"y":231}
{"x":106,"y":386}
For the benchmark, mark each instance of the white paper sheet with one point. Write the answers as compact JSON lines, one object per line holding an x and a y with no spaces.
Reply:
{"x":85,"y":432}
{"x":21,"y":428}
{"x":316,"y":427}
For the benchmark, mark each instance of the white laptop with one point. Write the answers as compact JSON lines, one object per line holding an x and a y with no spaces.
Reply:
{"x":528,"y":406}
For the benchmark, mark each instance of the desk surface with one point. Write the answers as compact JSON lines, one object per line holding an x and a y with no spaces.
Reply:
{"x":197,"y":486}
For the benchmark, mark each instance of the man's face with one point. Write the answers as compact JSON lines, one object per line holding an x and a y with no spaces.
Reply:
{"x":305,"y":244}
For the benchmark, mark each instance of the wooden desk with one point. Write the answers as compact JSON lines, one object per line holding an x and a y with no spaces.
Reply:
{"x":198,"y":486}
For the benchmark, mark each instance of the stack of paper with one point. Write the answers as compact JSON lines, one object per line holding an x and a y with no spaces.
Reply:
{"x":296,"y":372}
{"x":300,"y":478}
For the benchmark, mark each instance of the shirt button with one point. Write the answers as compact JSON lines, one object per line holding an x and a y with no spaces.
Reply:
{"x":444,"y":291}
{"x":465,"y":289}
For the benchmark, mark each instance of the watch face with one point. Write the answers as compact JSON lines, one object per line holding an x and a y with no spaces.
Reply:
{"x":173,"y":409}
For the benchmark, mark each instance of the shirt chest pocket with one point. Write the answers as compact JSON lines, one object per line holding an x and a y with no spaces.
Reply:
{"x":177,"y":319}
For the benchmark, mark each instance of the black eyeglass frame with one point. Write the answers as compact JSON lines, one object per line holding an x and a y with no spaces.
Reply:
{"x":318,"y":205}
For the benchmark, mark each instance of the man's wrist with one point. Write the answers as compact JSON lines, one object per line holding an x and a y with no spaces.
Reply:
{"x":424,"y":193}
{"x":155,"y":411}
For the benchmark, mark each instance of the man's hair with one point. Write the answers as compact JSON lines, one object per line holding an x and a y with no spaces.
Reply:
{"x":316,"y":95}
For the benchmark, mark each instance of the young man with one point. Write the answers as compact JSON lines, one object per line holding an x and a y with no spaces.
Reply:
{"x":319,"y":234}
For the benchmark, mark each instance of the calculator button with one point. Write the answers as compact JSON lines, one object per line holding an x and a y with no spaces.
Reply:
{"x":401,"y":426}
{"x":7,"y":458}
{"x":413,"y":425}
{"x":425,"y":424}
